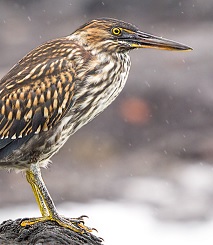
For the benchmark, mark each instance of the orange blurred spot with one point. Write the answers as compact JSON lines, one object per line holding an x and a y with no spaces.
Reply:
{"x":135,"y":111}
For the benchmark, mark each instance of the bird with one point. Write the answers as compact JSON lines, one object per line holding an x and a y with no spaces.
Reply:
{"x":57,"y":88}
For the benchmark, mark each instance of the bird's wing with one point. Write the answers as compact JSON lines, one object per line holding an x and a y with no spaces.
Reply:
{"x":34,"y":95}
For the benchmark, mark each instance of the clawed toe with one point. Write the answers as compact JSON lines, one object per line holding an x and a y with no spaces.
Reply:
{"x":74,"y":224}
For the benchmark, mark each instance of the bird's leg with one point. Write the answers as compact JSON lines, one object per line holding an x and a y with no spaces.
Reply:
{"x":46,"y":205}
{"x":38,"y":197}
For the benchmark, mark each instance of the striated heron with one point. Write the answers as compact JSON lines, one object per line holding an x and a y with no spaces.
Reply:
{"x":56,"y":89}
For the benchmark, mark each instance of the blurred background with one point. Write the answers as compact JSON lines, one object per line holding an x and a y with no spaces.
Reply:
{"x":151,"y":151}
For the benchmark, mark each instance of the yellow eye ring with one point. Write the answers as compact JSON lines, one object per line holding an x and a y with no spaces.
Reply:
{"x":116,"y":31}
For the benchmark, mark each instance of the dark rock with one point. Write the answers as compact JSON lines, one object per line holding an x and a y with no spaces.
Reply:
{"x":48,"y":233}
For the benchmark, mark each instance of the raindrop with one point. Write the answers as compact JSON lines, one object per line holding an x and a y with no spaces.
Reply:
{"x":199,"y":91}
{"x":28,"y":17}
{"x":147,"y":84}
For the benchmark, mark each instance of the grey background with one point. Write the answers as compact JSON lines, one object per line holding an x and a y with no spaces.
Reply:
{"x":154,"y":144}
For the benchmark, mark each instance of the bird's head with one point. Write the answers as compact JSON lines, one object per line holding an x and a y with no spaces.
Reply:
{"x":113,"y":35}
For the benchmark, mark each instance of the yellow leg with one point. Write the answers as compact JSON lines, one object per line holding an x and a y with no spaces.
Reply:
{"x":38,"y":197}
{"x":46,"y":205}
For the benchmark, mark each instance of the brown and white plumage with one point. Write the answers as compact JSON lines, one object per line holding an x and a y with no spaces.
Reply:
{"x":57,"y":88}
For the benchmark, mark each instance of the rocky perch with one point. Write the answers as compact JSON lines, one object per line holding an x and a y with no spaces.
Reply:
{"x":48,"y":233}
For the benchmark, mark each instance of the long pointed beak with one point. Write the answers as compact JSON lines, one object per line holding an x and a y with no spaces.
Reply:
{"x":145,"y":40}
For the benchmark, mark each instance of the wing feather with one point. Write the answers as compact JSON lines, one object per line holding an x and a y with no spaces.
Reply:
{"x":37,"y":92}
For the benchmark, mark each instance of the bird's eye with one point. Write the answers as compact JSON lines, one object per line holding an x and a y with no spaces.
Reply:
{"x":116,"y":31}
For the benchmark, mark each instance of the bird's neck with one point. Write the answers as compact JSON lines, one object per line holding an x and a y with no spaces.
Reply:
{"x":104,"y":80}
{"x":101,"y":78}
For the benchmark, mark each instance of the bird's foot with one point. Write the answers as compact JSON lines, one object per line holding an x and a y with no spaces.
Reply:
{"x":74,"y":224}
